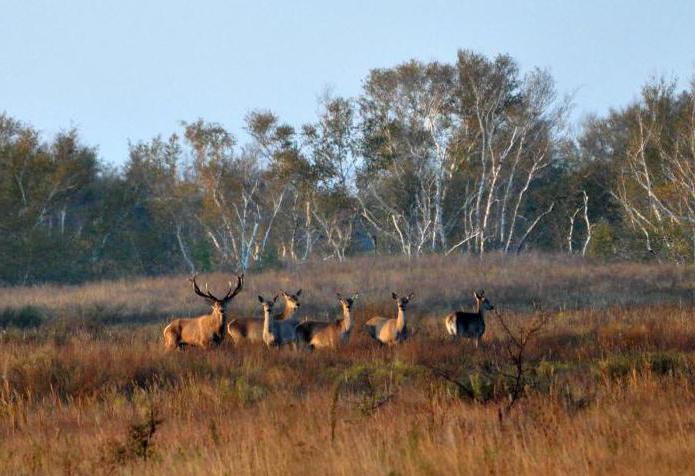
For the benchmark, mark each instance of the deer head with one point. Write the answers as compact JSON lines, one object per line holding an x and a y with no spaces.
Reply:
{"x":347,"y":302}
{"x":267,"y":304}
{"x":292,"y":300}
{"x":482,"y":301}
{"x":402,"y":302}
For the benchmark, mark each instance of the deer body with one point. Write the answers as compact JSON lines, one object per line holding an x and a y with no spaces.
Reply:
{"x":390,"y":331}
{"x":250,"y":329}
{"x":284,"y":325}
{"x":246,"y":329}
{"x":203,"y":331}
{"x":469,"y":324}
{"x":275,"y":332}
{"x":319,"y":335}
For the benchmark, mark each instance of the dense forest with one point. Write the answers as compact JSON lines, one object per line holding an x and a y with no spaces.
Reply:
{"x":468,"y":157}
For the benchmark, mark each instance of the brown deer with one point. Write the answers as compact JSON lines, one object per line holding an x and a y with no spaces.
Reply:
{"x":269,"y":333}
{"x":291,"y":305}
{"x":469,"y":324}
{"x":319,"y":335}
{"x":203,"y":331}
{"x":250,"y":329}
{"x":390,"y":331}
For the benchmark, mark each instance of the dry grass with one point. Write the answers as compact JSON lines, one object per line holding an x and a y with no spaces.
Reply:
{"x":609,"y":389}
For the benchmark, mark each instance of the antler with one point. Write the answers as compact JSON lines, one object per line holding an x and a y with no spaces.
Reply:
{"x":230,"y":293}
{"x":200,"y":293}
{"x":239,"y":285}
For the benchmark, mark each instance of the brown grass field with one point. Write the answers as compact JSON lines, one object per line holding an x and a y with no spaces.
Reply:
{"x":607,"y":385}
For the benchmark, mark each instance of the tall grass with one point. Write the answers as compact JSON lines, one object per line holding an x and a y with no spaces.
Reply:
{"x":440,"y":283}
{"x":609,"y":387}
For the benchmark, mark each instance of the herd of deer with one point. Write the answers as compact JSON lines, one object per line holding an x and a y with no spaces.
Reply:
{"x":285,"y":328}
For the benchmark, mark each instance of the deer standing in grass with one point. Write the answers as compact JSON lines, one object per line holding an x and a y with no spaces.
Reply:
{"x":269,"y":333}
{"x":319,"y":335}
{"x":203,"y":331}
{"x":286,"y":323}
{"x":469,"y":324}
{"x":394,"y":330}
{"x":250,"y":329}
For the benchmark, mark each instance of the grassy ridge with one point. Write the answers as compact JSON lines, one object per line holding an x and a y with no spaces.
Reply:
{"x":558,"y":282}
{"x":608,"y":384}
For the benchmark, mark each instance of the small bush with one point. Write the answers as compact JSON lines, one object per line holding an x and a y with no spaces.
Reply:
{"x":139,"y":440}
{"x":247,"y":392}
{"x":618,"y":366}
{"x":26,"y":317}
{"x":603,"y":241}
{"x":667,"y":363}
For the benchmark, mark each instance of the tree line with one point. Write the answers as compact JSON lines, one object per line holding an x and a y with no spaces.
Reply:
{"x":471,"y":156}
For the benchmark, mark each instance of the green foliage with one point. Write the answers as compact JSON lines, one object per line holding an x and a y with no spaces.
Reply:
{"x":247,"y":392}
{"x":402,"y":168}
{"x":139,"y":439}
{"x":269,"y":260}
{"x":659,"y":363}
{"x":23,"y":318}
{"x":202,"y":255}
{"x":603,"y":241}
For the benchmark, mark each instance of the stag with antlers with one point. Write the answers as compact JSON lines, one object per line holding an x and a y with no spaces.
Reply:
{"x":203,"y":331}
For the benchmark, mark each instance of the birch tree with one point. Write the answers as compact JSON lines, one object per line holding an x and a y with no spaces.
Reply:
{"x":656,"y":183}
{"x":42,"y":187}
{"x":409,"y":142}
{"x":512,"y":126}
{"x":332,"y":150}
{"x":239,"y":209}
{"x":287,"y":169}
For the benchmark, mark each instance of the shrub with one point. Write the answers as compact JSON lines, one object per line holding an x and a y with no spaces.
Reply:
{"x":23,"y":318}
{"x":139,"y":440}
{"x":602,"y":242}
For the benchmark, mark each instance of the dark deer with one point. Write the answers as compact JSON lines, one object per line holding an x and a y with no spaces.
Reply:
{"x":469,"y":324}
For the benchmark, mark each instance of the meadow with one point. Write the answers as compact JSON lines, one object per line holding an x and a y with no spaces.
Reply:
{"x":588,"y":368}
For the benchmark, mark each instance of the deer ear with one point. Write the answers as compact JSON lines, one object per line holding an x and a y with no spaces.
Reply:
{"x":394,"y":296}
{"x":260,"y":298}
{"x":275,"y":298}
{"x":411,"y":296}
{"x":298,"y":292}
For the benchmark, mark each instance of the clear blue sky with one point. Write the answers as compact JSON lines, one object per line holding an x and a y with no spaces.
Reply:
{"x":128,"y":70}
